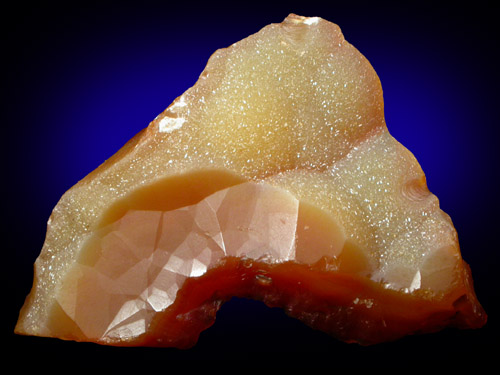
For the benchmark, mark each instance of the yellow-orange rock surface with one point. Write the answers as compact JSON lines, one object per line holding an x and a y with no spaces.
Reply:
{"x":274,"y":177}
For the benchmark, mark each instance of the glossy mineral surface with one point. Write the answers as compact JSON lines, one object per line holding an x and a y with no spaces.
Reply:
{"x":274,"y":178}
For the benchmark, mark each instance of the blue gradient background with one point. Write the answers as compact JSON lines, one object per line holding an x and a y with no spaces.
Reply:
{"x":82,"y":79}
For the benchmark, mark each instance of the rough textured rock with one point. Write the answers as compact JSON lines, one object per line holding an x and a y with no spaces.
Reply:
{"x":275,"y":178}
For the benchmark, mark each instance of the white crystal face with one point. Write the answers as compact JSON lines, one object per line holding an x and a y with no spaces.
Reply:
{"x":134,"y":267}
{"x":294,"y":105}
{"x":137,"y":264}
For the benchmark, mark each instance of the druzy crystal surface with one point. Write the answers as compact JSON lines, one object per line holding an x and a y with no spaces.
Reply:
{"x":274,"y":177}
{"x":145,"y":257}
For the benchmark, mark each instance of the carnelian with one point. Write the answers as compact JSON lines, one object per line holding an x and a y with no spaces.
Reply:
{"x":274,"y":178}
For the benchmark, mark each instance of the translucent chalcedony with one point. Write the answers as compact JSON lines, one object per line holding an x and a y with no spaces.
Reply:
{"x":274,"y":177}
{"x":135,"y":266}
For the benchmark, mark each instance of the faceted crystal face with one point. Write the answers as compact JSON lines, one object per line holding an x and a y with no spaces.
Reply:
{"x":279,"y":154}
{"x":135,"y":266}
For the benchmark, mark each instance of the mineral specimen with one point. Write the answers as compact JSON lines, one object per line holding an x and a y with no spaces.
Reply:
{"x":275,"y":178}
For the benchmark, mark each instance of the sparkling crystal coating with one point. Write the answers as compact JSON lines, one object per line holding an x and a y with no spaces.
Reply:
{"x":279,"y":154}
{"x":138,"y":263}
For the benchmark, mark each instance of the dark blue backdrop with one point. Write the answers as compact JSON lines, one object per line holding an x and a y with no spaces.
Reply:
{"x":82,"y":79}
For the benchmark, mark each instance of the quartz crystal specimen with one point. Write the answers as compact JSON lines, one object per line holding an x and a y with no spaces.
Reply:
{"x":275,"y":178}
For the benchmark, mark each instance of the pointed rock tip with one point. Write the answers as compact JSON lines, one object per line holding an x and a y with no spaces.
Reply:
{"x":296,"y":19}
